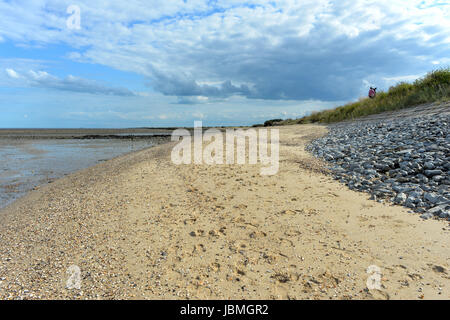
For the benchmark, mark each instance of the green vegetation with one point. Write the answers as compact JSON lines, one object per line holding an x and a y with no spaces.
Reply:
{"x":434,"y":87}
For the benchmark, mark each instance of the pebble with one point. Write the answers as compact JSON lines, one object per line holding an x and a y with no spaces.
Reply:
{"x":402,"y":160}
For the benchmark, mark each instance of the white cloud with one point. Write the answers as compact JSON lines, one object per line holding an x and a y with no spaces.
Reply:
{"x":402,"y":78}
{"x":286,"y":49}
{"x":43,"y":79}
{"x":199,"y":115}
{"x":11,"y":73}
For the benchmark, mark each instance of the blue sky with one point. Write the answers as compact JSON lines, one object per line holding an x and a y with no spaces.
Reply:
{"x":168,"y":63}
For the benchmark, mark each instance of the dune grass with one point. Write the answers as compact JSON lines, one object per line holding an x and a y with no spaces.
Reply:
{"x":434,"y":87}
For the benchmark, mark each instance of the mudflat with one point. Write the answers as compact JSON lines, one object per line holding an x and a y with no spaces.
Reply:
{"x":141,"y":227}
{"x":27,"y":162}
{"x":18,"y":134}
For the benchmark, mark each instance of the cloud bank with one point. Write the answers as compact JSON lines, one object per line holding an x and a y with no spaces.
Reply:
{"x":42,"y":79}
{"x":257,"y":49}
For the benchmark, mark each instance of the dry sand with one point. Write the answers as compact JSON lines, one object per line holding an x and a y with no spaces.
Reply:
{"x":140,"y":227}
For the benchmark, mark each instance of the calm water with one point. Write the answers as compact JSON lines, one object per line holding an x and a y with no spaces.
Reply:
{"x":25,"y":164}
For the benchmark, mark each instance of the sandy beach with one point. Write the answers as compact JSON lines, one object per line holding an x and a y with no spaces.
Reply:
{"x":140,"y":227}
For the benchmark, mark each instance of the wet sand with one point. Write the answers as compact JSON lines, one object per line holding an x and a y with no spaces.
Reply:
{"x":28,"y":162}
{"x":140,"y":227}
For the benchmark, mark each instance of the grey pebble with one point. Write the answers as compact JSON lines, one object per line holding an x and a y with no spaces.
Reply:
{"x":402,"y":160}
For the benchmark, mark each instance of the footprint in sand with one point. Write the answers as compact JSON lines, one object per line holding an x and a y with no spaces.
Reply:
{"x":199,"y":248}
{"x":215,"y":267}
{"x":257,"y":235}
{"x":217,"y":233}
{"x":197,"y":233}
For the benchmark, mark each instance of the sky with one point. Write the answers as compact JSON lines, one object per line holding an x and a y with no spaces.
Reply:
{"x":108,"y":64}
